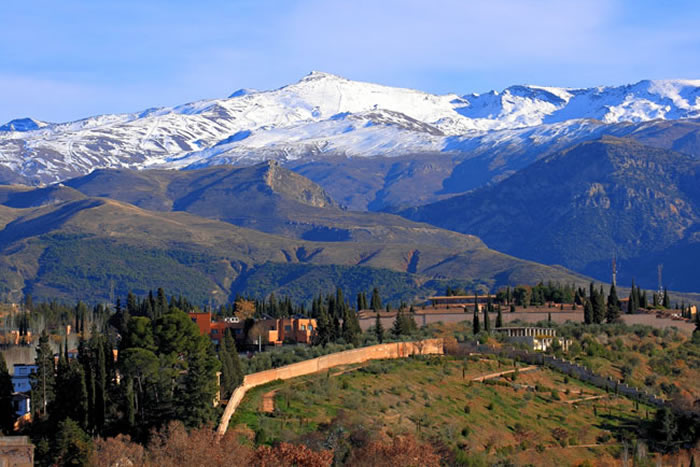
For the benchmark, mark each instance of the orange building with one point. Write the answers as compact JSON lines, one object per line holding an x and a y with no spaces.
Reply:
{"x":270,"y":331}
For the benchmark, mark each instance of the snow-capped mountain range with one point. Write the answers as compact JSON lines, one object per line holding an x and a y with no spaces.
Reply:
{"x":325,"y":114}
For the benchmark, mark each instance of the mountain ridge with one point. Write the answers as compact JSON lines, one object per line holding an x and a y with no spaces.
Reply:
{"x":324,"y":114}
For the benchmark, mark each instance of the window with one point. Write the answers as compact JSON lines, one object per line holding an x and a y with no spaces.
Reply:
{"x":194,"y":320}
{"x":303,"y":327}
{"x":311,"y":328}
{"x":215,"y":331}
{"x":287,"y":328}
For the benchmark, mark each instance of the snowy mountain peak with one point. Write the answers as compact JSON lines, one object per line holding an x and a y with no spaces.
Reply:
{"x":23,"y":124}
{"x":323,"y":114}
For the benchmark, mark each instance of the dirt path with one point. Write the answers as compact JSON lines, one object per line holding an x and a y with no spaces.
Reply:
{"x":268,"y":401}
{"x":502,"y":373}
{"x":589,"y":398}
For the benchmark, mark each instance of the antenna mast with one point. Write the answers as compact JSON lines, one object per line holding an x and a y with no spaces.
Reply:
{"x":661,"y":287}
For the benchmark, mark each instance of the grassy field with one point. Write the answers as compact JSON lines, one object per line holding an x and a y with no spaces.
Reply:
{"x":530,"y":417}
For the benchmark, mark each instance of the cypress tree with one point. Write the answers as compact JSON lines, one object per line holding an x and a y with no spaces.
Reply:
{"x":375,"y":300}
{"x":487,"y":320}
{"x":130,"y":404}
{"x":643,"y":299}
{"x":100,"y":385}
{"x":226,"y":383}
{"x":476,"y":327}
{"x":633,"y":303}
{"x":351,"y":327}
{"x":499,"y":317}
{"x":161,"y":303}
{"x":588,"y":312}
{"x":324,"y":329}
{"x":398,"y":327}
{"x":7,"y":410}
{"x":44,"y":379}
{"x":378,"y":328}
{"x":613,"y":309}
{"x":666,"y":301}
{"x":598,"y":302}
{"x":237,"y":370}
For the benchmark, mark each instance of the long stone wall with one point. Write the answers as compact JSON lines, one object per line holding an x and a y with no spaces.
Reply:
{"x":315,"y":365}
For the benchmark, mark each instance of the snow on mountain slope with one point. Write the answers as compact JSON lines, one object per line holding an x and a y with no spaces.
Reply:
{"x":323,"y":113}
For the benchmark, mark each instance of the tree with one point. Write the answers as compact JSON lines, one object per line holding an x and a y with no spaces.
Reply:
{"x":633,"y":304}
{"x":666,"y":300}
{"x":613,"y":310}
{"x":324,"y":331}
{"x":378,"y":328}
{"x":665,"y":427}
{"x":588,"y":312}
{"x":195,"y":398}
{"x":71,"y":399}
{"x":499,"y":318}
{"x":375,"y":300}
{"x":400,"y":451}
{"x":487,"y":320}
{"x":7,"y":411}
{"x":351,"y":327}
{"x":43,"y":380}
{"x":476,"y":327}
{"x":598,"y":303}
{"x":232,"y":374}
{"x":73,"y":445}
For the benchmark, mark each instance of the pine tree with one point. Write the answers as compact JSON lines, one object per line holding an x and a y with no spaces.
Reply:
{"x":613,"y":310}
{"x":378,"y":328}
{"x":7,"y":411}
{"x":499,"y":318}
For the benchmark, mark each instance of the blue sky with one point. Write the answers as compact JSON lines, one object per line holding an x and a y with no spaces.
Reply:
{"x":65,"y":60}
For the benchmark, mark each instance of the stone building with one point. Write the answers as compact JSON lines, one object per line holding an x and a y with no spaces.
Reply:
{"x":540,"y":339}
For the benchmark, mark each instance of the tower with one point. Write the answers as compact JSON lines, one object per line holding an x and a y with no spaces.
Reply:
{"x":660,"y":268}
